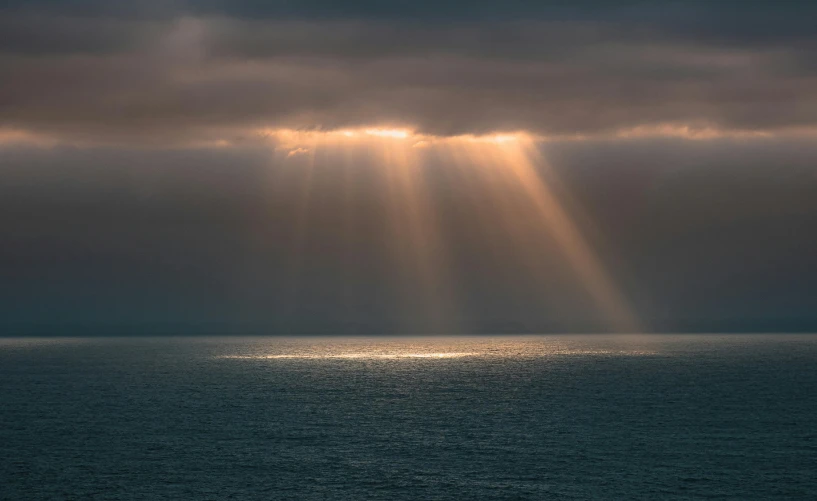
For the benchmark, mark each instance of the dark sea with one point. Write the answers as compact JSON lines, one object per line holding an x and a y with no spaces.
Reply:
{"x":539,"y":417}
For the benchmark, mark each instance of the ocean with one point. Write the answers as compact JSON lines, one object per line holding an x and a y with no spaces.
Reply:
{"x":534,"y":417}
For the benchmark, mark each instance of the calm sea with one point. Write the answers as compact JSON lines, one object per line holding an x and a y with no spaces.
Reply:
{"x":540,"y":417}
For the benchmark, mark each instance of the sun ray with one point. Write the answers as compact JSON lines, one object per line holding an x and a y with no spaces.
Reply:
{"x":416,"y":233}
{"x":302,"y":168}
{"x":508,"y":166}
{"x":521,"y":159}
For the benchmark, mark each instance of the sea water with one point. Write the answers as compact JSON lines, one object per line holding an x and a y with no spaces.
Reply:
{"x":536,"y":417}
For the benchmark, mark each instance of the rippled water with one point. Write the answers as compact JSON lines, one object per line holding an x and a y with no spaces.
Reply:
{"x":573,"y":417}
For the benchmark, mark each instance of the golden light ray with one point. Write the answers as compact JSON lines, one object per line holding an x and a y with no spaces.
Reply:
{"x":305,"y":154}
{"x":521,"y":158}
{"x":494,"y":197}
{"x":509,"y":166}
{"x":504,"y":163}
{"x":415,"y":230}
{"x":349,"y":230}
{"x":417,"y":244}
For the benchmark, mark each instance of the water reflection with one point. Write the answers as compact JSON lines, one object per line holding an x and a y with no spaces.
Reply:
{"x":439,"y":348}
{"x":359,"y":355}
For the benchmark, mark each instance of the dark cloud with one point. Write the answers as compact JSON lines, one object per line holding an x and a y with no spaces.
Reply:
{"x":129,"y":71}
{"x":30,"y":34}
{"x":774,"y":12}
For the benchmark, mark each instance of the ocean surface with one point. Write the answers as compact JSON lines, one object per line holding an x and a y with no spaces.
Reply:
{"x":539,"y":417}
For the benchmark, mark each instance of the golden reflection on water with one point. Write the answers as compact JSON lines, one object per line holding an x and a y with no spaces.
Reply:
{"x":387,"y":356}
{"x":443,"y":349}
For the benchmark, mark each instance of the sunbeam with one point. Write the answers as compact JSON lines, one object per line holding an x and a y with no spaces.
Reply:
{"x":509,"y":165}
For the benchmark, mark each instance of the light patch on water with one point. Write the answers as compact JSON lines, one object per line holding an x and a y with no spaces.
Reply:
{"x":388,"y":356}
{"x":506,"y":350}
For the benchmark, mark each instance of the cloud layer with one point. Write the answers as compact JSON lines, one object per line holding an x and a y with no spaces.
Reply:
{"x":177,"y":71}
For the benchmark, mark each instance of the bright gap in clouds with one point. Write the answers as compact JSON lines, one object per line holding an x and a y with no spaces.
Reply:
{"x":522,"y":197}
{"x":293,"y":141}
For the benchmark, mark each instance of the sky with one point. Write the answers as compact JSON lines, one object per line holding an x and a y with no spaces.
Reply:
{"x":188,"y":166}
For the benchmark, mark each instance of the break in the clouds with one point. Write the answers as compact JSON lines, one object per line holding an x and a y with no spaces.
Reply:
{"x":186,"y":71}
